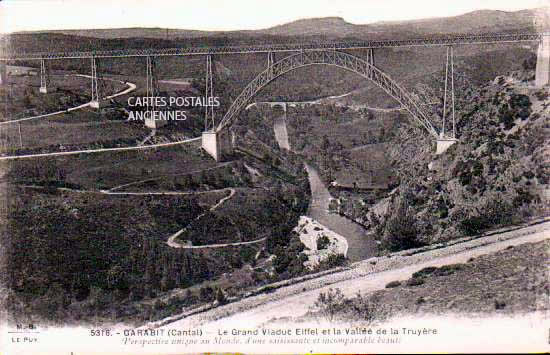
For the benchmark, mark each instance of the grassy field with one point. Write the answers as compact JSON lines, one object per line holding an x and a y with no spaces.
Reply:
{"x":57,"y":135}
{"x":370,"y":167}
{"x":110,"y":169}
{"x":21,"y":98}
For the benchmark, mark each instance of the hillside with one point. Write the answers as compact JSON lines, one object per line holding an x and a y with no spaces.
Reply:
{"x":472,"y":22}
{"x":330,"y":28}
{"x":495,"y":176}
{"x":510,"y":282}
{"x":122,"y":260}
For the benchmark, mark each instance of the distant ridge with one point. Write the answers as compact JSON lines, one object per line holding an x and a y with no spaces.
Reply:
{"x":337,"y":27}
{"x":328,"y":26}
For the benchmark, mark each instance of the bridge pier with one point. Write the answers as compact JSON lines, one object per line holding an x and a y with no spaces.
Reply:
{"x":97,"y":104}
{"x":96,"y":101}
{"x":444,"y":143}
{"x":542,"y":76}
{"x":282,"y":105}
{"x":217,"y":144}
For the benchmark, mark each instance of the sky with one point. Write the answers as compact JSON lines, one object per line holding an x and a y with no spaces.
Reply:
{"x":32,"y":15}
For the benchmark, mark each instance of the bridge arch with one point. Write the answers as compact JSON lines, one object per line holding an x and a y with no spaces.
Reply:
{"x":327,"y":57}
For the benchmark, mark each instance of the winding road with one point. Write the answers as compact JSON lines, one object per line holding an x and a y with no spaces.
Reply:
{"x":293,"y":301}
{"x":171,"y":175}
{"x":131,"y":87}
{"x":89,"y":151}
{"x":174,"y":244}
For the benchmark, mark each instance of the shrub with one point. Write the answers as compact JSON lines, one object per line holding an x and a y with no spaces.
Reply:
{"x":528,"y":174}
{"x":541,"y":95}
{"x":206,"y":294}
{"x":415,"y":281}
{"x":393,"y":284}
{"x":220,"y":296}
{"x":493,"y":213}
{"x":323,"y":242}
{"x":367,"y":309}
{"x":424,"y":272}
{"x":329,"y":304}
{"x":332,"y":261}
{"x":448,"y":269}
{"x":530,"y":63}
{"x":506,"y":118}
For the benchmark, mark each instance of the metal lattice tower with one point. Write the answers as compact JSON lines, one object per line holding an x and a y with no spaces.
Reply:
{"x":209,"y":122}
{"x":370,"y":56}
{"x":44,"y":76}
{"x":270,"y":59}
{"x":152,"y":85}
{"x":449,"y":76}
{"x":95,"y":87}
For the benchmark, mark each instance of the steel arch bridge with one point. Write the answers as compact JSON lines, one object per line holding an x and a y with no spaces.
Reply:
{"x":343,"y":60}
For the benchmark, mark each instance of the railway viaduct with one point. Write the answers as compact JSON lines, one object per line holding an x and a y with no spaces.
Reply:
{"x":216,"y":136}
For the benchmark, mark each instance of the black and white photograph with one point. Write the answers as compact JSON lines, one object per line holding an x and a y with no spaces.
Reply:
{"x":274,"y":177}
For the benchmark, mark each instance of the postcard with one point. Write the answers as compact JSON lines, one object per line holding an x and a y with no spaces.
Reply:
{"x":274,"y":177}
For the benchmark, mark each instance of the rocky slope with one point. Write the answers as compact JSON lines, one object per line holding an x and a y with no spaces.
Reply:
{"x":497,"y":174}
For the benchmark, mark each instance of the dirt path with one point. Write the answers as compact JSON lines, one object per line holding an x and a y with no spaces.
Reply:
{"x":366,"y":276}
{"x":89,"y":151}
{"x":174,"y":244}
{"x":169,"y":175}
{"x":149,"y":137}
{"x":106,"y":192}
{"x":172,"y":239}
{"x":131,"y":87}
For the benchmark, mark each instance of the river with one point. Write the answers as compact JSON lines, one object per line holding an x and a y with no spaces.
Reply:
{"x":360,"y":244}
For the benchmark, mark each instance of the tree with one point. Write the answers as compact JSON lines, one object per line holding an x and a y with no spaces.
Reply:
{"x":206,"y":294}
{"x":401,"y":232}
{"x":220,"y":296}
{"x":116,"y":277}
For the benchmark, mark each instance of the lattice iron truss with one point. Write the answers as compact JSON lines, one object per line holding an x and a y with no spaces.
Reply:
{"x":370,"y":56}
{"x":293,"y":47}
{"x":328,"y":57}
{"x":449,"y":93}
{"x":44,"y":75}
{"x":95,"y":80}
{"x":151,"y":85}
{"x":209,"y":121}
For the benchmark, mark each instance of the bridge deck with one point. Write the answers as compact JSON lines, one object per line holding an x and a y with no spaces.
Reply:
{"x":435,"y":41}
